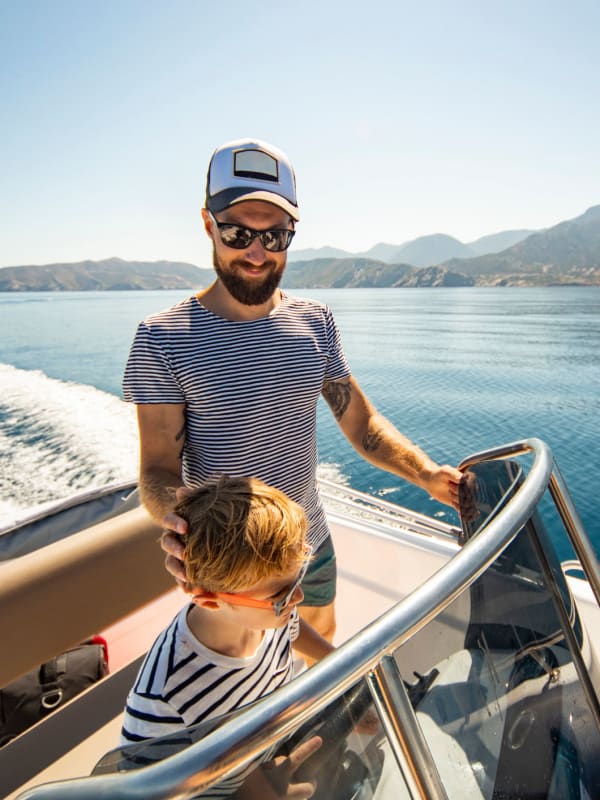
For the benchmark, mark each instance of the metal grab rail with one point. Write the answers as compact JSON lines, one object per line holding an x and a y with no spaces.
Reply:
{"x":360,"y":503}
{"x":564,"y":505}
{"x":579,"y":539}
{"x":239,"y":741}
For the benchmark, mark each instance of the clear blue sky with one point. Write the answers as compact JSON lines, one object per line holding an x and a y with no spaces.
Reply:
{"x":401,"y":118}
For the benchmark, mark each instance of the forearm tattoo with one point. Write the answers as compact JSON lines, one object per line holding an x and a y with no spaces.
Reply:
{"x":412,"y":461}
{"x":338,"y":397}
{"x":372,"y":440}
{"x":406,"y":456}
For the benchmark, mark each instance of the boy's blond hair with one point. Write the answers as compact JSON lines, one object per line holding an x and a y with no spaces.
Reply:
{"x":240,"y":532}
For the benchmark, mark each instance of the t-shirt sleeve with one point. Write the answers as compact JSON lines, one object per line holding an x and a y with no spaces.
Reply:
{"x":149,"y":374}
{"x":337,"y":365}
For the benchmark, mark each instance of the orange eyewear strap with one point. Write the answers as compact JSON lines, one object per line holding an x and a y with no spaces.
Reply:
{"x":277,"y":605}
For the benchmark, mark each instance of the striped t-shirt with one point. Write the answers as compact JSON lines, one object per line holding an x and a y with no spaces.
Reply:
{"x":183,"y":683}
{"x":250,"y":390}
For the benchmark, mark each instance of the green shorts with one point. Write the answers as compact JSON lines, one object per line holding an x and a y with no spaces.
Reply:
{"x":319,"y":584}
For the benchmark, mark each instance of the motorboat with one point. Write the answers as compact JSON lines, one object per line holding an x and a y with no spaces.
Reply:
{"x":473,"y":647}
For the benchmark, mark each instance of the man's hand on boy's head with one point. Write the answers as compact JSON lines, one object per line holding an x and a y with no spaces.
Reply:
{"x":171,"y":542}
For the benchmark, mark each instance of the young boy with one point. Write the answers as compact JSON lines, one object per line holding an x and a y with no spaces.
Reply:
{"x":245,"y":557}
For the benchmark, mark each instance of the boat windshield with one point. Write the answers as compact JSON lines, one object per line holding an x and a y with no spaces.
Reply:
{"x":508,"y":668}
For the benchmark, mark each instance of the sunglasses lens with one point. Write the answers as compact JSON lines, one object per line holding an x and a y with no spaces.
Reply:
{"x":276,"y":240}
{"x":235,"y":236}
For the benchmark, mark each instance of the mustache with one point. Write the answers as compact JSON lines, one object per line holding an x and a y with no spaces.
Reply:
{"x":240,"y":262}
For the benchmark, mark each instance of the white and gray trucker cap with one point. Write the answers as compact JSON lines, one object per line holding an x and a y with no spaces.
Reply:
{"x":248,"y":169}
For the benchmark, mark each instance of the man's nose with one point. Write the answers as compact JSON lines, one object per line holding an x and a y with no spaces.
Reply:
{"x":255,"y":252}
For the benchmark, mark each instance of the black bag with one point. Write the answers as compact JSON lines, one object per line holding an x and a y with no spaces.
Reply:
{"x":39,"y":692}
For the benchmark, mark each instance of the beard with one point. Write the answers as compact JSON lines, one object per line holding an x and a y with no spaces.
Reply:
{"x":249,"y":292}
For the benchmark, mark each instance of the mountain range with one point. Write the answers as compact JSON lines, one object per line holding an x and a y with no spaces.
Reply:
{"x":567,"y":253}
{"x":109,"y":274}
{"x":426,"y":251}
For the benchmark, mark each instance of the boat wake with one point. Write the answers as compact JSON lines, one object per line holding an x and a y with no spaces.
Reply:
{"x":58,"y":438}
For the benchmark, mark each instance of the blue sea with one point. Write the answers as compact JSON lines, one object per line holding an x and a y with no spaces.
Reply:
{"x":457,"y":370}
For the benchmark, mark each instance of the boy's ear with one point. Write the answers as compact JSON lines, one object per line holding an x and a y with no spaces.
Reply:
{"x":205,"y":600}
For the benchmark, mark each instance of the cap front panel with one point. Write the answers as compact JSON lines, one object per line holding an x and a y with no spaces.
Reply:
{"x":255,"y":164}
{"x":242,"y":169}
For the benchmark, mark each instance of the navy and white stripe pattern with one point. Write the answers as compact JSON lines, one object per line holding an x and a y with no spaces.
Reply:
{"x":250,"y":390}
{"x":182,"y":682}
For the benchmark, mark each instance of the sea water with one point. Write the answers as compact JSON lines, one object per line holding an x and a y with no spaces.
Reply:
{"x":457,"y":370}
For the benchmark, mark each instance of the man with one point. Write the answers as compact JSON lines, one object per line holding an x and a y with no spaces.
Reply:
{"x":227,"y":381}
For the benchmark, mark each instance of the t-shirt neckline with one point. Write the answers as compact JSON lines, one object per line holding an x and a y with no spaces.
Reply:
{"x":273,"y":313}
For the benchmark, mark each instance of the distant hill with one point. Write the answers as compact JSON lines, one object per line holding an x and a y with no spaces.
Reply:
{"x":353,"y":273}
{"x":566,"y":253}
{"x":110,"y":274}
{"x":381,"y":252}
{"x":342,"y":273}
{"x":496,"y":242}
{"x":310,"y":253}
{"x":430,"y":250}
{"x":425,"y":251}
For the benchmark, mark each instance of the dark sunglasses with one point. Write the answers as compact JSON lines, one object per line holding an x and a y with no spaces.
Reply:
{"x":274,"y":240}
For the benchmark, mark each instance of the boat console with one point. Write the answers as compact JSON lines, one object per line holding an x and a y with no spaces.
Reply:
{"x":483,"y":682}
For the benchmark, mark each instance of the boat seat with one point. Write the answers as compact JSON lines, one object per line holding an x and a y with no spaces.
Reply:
{"x":449,"y":715}
{"x":485,"y":716}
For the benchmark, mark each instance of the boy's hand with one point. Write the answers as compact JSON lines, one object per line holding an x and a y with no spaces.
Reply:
{"x":369,"y":723}
{"x":280,"y":771}
{"x":174,"y":528}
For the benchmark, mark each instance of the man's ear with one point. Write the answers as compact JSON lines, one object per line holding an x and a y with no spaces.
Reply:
{"x":205,"y":600}
{"x":208,"y":223}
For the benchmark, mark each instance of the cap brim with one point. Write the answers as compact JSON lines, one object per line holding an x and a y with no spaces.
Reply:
{"x":218,"y":203}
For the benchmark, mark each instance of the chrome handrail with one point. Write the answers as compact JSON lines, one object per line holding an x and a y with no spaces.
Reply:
{"x":559,"y":491}
{"x":581,"y":543}
{"x":239,"y":741}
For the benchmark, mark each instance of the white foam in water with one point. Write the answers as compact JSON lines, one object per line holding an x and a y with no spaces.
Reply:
{"x":332,"y":472}
{"x":57,"y":438}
